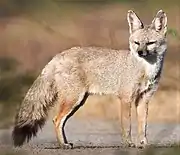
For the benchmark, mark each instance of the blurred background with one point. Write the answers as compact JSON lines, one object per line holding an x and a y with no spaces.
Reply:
{"x":33,"y":31}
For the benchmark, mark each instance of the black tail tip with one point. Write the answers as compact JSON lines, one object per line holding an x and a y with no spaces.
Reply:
{"x":22,"y":134}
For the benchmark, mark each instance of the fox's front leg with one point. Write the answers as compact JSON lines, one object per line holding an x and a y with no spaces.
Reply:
{"x":125,"y":117}
{"x":142,"y":114}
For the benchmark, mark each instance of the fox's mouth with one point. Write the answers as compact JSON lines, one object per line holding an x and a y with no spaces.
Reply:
{"x":147,"y":53}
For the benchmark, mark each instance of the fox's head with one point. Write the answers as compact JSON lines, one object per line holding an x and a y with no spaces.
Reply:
{"x":147,"y":40}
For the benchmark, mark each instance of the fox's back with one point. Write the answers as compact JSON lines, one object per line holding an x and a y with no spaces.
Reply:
{"x":99,"y":70}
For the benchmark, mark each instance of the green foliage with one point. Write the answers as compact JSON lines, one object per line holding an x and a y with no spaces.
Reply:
{"x":8,"y":64}
{"x":13,"y":85}
{"x":174,"y":33}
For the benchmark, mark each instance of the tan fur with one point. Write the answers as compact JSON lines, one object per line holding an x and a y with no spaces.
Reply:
{"x":71,"y":76}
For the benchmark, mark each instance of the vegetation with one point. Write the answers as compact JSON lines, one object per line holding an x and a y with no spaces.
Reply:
{"x":12,"y":87}
{"x":174,"y":33}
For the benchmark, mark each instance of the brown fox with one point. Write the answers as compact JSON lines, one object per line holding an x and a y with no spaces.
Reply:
{"x":71,"y":76}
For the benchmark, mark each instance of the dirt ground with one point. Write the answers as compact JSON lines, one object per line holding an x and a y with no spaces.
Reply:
{"x":95,"y":137}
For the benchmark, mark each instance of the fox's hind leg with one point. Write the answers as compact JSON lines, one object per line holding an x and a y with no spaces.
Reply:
{"x":125,"y":117}
{"x":67,"y":108}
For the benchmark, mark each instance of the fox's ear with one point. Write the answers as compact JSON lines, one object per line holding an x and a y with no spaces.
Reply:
{"x":159,"y":23}
{"x":134,"y":21}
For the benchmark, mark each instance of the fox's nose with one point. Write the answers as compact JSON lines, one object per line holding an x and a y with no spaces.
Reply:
{"x":140,"y":53}
{"x":143,"y":53}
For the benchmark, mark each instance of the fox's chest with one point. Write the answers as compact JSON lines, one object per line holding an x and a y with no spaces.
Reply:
{"x":151,"y":77}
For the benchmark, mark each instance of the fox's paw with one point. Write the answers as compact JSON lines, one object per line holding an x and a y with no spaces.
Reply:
{"x":142,"y":143}
{"x":66,"y":146}
{"x":129,"y":143}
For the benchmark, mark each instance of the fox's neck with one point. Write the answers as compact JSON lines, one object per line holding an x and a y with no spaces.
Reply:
{"x":151,"y":64}
{"x":153,"y":70}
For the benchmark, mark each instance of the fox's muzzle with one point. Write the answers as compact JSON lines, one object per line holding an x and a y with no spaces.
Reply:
{"x":143,"y":53}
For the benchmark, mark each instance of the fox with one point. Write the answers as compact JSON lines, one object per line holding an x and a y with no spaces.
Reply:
{"x":74,"y":74}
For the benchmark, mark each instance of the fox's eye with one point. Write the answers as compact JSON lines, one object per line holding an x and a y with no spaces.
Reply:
{"x":151,"y":42}
{"x":137,"y":43}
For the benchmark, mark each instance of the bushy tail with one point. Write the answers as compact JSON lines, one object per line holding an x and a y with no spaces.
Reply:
{"x":33,"y":111}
